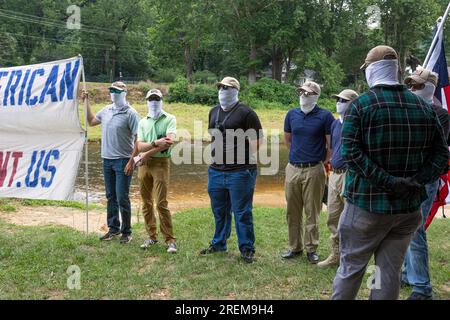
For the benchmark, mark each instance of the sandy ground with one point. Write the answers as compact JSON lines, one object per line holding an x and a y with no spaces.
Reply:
{"x":75,"y":218}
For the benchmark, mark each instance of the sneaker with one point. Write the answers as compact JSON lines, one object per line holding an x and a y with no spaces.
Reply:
{"x":248,"y":257}
{"x":109,"y":236}
{"x":313,"y":257}
{"x":171,"y":248}
{"x":331,"y":261}
{"x":126,"y":238}
{"x":210,"y":250}
{"x":418,"y":296}
{"x":148,"y":243}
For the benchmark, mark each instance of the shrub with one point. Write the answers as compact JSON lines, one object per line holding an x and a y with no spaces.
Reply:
{"x":271,"y":90}
{"x":168,"y":75}
{"x":203,"y":94}
{"x":179,"y":90}
{"x":205,"y":77}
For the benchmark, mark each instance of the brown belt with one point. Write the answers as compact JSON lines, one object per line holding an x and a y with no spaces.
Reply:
{"x":339,"y":171}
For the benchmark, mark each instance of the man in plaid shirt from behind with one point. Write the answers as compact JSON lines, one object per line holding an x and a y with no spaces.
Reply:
{"x":394,"y":145}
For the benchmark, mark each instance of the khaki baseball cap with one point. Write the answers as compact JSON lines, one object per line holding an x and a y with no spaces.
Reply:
{"x":229,"y":82}
{"x":154,"y":92}
{"x":347,"y":94}
{"x":310,"y":87}
{"x":421,"y":76}
{"x":118,"y":85}
{"x":379,"y":53}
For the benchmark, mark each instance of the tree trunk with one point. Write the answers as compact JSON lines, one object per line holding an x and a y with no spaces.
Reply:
{"x":188,"y":61}
{"x":252,"y":70}
{"x":277,"y":63}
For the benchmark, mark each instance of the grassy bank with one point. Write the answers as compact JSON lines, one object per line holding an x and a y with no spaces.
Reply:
{"x":34,"y":260}
{"x":187,"y":115}
{"x":12,"y":205}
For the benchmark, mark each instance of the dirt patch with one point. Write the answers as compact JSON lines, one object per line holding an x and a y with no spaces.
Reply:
{"x":75,"y":218}
{"x":162,"y":294}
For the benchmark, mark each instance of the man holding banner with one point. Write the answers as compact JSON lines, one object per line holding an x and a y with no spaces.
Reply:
{"x":119,"y":130}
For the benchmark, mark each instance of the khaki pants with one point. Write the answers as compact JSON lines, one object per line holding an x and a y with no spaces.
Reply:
{"x":304,"y":190}
{"x":335,"y":205}
{"x":153,"y":185}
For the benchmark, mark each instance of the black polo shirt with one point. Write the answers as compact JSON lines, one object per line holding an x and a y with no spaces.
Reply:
{"x":231,"y":132}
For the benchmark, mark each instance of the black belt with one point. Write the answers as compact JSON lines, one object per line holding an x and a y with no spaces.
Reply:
{"x":339,"y":171}
{"x":305,"y":165}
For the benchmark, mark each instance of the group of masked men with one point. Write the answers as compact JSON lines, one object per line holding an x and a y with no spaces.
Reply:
{"x":386,"y":151}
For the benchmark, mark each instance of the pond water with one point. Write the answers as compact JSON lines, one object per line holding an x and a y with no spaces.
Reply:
{"x":188,"y":182}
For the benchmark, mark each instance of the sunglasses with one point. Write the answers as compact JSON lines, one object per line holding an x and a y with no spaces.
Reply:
{"x":154,"y":98}
{"x":416,"y":86}
{"x":340,"y":100}
{"x":116,"y":91}
{"x":307,"y":94}
{"x":222,"y":87}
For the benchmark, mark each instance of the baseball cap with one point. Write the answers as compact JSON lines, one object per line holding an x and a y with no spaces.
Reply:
{"x":379,"y":53}
{"x":310,"y":87}
{"x":153,"y":92}
{"x":118,"y":85}
{"x":346,"y":94}
{"x":229,"y":82}
{"x":421,"y":76}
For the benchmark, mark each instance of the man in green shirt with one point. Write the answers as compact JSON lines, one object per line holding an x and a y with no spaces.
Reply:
{"x":156,"y":134}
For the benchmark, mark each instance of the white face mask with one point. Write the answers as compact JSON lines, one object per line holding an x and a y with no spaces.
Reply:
{"x":119,"y":99}
{"x":427,"y":93}
{"x":341,"y":109}
{"x":228,"y":98}
{"x":382,"y":72}
{"x":154,"y":109}
{"x":308,"y":103}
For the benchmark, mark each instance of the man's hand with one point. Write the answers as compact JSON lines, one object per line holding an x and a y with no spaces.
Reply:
{"x":129,"y":167}
{"x":164,"y":143}
{"x":84,"y":95}
{"x":404,"y":189}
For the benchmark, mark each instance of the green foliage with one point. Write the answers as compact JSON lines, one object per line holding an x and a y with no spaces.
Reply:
{"x":270,"y":90}
{"x":205,"y":77}
{"x":327,"y":104}
{"x":203,"y":94}
{"x":166,"y":75}
{"x":179,"y":90}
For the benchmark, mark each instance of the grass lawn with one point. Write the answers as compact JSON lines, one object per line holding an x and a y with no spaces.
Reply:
{"x":188,"y":114}
{"x":34,"y":260}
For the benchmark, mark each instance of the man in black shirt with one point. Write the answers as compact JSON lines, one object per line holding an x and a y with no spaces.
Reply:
{"x":236,"y":135}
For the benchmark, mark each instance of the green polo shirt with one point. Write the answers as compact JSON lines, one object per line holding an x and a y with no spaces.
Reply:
{"x":150,"y":130}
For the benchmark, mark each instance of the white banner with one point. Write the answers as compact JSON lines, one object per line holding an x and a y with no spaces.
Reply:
{"x":41,"y":139}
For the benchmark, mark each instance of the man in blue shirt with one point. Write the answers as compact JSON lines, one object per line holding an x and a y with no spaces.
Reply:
{"x":307,"y":135}
{"x":336,"y":181}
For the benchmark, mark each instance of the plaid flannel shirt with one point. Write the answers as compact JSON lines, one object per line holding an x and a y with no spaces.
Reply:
{"x":389,"y":132}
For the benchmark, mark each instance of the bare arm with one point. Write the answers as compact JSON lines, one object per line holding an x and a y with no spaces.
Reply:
{"x":288,"y":140}
{"x":92,"y":120}
{"x":130,"y":165}
{"x":329,"y":151}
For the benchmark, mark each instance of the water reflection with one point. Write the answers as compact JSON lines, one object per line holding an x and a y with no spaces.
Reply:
{"x":187,"y":180}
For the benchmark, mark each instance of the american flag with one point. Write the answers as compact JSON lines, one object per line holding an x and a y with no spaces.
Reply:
{"x":438,"y":64}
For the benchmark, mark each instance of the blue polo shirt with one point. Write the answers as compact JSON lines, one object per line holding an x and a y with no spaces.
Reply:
{"x":337,"y":162}
{"x":308,"y":134}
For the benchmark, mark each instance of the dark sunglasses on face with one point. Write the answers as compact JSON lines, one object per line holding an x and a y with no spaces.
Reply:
{"x":154,"y":98}
{"x":222,"y":87}
{"x":342,"y":100}
{"x":116,"y":91}
{"x":415,"y":86}
{"x":307,"y":94}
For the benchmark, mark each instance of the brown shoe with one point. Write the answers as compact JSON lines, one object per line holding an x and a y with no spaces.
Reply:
{"x":331,"y":261}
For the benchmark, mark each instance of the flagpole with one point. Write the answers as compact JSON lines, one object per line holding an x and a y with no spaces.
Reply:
{"x":436,"y":36}
{"x":86,"y":157}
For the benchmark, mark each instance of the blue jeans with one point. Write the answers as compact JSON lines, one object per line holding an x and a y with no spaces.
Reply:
{"x":416,"y":272}
{"x":117,"y":186}
{"x":232,"y":191}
